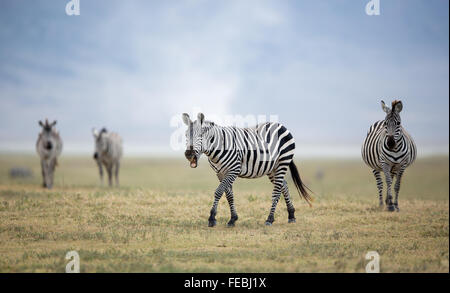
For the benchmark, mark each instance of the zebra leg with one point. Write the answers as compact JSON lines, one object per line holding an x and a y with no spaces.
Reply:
{"x":287,"y":198}
{"x":100,"y":170}
{"x":51,"y":173}
{"x":379,"y":180}
{"x":109,"y":170}
{"x":47,"y":170}
{"x":225,"y":184}
{"x":278,"y":179}
{"x":44,"y":179}
{"x":387,"y":173}
{"x":116,"y":173}
{"x":275,"y":198}
{"x":289,"y":205}
{"x":397,"y":187}
{"x":230,"y":199}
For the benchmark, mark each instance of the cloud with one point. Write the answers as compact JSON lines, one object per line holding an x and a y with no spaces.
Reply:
{"x":131,"y":66}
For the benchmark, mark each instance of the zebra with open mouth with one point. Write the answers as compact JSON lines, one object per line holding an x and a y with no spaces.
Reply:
{"x":267,"y":149}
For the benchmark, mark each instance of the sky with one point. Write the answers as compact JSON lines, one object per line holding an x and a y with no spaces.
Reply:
{"x":322,"y":67}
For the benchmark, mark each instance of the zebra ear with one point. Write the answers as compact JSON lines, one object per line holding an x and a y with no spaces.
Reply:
{"x":41,"y":124}
{"x":95,"y":132}
{"x":186,"y":119}
{"x":53,"y":123}
{"x":398,"y":106}
{"x":201,"y":118}
{"x":384,"y":107}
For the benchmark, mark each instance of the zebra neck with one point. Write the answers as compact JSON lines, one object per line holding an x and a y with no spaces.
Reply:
{"x":217,"y":133}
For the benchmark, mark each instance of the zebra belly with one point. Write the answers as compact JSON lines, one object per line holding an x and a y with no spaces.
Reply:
{"x":254,"y":166}
{"x":249,"y":169}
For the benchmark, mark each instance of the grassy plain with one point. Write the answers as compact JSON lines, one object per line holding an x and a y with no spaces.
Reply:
{"x":157,"y":220}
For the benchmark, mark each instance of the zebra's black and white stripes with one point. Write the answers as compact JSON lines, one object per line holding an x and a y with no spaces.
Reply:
{"x":388,"y":148}
{"x":267,"y":149}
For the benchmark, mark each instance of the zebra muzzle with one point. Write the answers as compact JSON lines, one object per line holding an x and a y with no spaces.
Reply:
{"x":48,"y":145}
{"x":193,"y":162}
{"x":192,"y":158}
{"x":390,"y":142}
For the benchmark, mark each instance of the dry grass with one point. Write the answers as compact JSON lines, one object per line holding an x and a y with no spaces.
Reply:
{"x":157,"y":220}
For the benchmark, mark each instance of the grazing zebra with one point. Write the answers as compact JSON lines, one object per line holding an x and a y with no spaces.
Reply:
{"x":48,"y":146}
{"x":108,"y":151}
{"x":389,"y":148}
{"x":267,"y":149}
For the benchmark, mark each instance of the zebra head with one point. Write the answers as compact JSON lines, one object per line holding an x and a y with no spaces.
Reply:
{"x":101,"y":145}
{"x":196,"y":137}
{"x":392,"y":123}
{"x":47,"y":134}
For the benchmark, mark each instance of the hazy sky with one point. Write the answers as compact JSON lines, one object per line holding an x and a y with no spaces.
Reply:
{"x":321,"y":66}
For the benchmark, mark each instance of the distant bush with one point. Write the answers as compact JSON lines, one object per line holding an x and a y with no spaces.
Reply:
{"x":20,"y":172}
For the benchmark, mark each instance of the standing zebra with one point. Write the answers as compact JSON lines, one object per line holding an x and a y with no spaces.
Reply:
{"x":389,"y":148}
{"x":49,"y":147}
{"x":108,"y":151}
{"x":267,"y":149}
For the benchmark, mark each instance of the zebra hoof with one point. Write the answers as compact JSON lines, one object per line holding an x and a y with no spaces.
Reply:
{"x":232,"y":221}
{"x":291,"y":220}
{"x":397,"y":209}
{"x":268,"y":223}
{"x":390,"y":208}
{"x":212,"y":223}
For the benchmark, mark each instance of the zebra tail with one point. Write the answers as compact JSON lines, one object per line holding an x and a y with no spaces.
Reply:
{"x":301,"y":187}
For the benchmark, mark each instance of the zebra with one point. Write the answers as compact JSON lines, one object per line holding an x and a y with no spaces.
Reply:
{"x":267,"y":149}
{"x":48,"y":146}
{"x":108,"y":151}
{"x":388,"y":148}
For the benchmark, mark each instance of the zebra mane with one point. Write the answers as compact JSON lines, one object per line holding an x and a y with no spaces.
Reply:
{"x":103,"y":130}
{"x":47,"y":126}
{"x":208,"y":123}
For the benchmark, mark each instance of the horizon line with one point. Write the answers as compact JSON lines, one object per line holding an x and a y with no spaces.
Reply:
{"x":303,"y":151}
